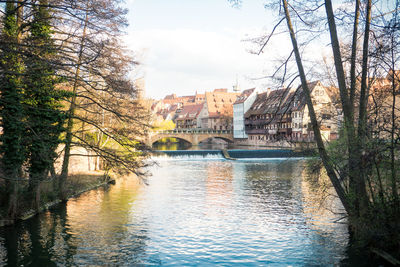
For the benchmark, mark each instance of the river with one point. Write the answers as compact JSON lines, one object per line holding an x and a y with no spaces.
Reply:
{"x":200,"y":210}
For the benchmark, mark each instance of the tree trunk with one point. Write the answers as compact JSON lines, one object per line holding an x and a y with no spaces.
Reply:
{"x":71,"y":114}
{"x":317,"y":134}
{"x":354,"y":55}
{"x":361,"y":192}
{"x":357,"y":195}
{"x":392,"y":133}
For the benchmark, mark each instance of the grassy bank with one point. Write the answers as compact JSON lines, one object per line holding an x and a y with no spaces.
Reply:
{"x":76,"y":184}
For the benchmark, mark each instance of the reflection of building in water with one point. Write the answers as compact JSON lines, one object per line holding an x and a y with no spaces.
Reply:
{"x":275,"y":184}
{"x":219,"y":187}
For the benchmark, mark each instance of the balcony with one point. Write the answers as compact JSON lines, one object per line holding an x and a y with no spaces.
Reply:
{"x":256,"y":122}
{"x":284,"y":120}
{"x":256,"y":131}
{"x":285,"y":130}
{"x":194,"y":131}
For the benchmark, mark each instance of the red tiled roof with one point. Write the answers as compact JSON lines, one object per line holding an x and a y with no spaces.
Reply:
{"x":190,"y":111}
{"x":220,"y":102}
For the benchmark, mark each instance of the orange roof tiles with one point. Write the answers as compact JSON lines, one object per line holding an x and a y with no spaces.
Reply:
{"x":220,"y":102}
{"x":190,"y":111}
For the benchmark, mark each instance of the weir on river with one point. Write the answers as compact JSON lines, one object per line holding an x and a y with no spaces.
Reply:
{"x":238,"y":153}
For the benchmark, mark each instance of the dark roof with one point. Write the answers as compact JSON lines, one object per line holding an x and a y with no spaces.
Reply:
{"x":267,"y":103}
{"x":299,"y":99}
{"x":244,"y":95}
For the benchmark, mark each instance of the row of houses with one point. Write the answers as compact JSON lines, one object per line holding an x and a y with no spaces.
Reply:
{"x":255,"y":117}
{"x":212,"y":110}
{"x":282,"y":115}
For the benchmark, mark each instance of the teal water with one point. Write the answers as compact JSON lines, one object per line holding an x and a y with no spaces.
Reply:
{"x":195,"y":212}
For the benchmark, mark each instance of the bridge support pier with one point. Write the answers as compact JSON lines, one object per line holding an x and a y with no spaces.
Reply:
{"x":195,"y":140}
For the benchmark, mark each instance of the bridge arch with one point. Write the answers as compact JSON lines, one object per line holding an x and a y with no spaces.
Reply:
{"x":157,"y":138}
{"x":192,"y":136}
{"x":226,"y":139}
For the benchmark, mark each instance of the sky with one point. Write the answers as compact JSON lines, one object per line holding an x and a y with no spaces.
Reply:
{"x":197,"y":45}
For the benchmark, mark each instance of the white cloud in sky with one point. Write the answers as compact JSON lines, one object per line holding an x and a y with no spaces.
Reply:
{"x":184,"y":60}
{"x":192,"y":45}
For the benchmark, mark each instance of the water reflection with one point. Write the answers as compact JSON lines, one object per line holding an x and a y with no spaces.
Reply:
{"x":3,"y":252}
{"x":324,"y":213}
{"x":196,"y":212}
{"x":42,"y":241}
{"x":219,"y":189}
{"x":94,"y":229}
{"x":275,"y":191}
{"x":107,"y":231}
{"x":171,"y":144}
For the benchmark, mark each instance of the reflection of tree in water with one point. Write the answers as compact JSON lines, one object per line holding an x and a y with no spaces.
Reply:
{"x":323,"y":211}
{"x":103,"y":230}
{"x":171,"y":144}
{"x":3,"y":251}
{"x":40,"y":241}
{"x":83,"y":232}
{"x":278,"y":194}
{"x":320,"y":200}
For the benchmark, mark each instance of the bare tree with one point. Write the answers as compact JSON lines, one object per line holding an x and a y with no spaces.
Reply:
{"x":352,"y":174}
{"x":91,"y":66}
{"x":96,"y":66}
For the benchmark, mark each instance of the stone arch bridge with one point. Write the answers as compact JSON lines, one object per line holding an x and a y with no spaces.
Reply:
{"x":193,"y":136}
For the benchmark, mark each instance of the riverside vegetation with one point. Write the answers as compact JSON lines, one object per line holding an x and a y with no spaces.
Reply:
{"x":363,"y":166}
{"x":64,"y":85}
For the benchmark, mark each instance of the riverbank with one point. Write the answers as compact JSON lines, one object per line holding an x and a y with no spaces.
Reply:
{"x":76,"y":185}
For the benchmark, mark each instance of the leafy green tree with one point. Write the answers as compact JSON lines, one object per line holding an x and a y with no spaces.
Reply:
{"x":11,"y":111}
{"x":68,"y":53}
{"x":42,"y":98}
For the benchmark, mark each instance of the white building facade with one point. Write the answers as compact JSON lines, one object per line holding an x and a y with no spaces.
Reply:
{"x":240,"y":107}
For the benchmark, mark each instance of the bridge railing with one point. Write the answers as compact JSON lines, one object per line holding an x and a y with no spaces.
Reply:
{"x":194,"y":131}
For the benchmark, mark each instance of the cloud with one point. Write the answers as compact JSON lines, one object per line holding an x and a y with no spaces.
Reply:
{"x":184,"y":60}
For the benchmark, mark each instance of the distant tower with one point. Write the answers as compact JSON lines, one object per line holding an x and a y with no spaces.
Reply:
{"x":140,"y":88}
{"x":236,"y":87}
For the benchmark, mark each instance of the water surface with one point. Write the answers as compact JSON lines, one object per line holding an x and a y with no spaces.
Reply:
{"x":195,"y":211}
